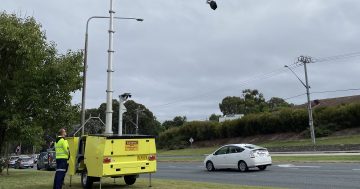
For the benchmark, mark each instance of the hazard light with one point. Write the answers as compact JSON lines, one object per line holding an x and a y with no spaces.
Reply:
{"x":107,"y":160}
{"x":152,"y":157}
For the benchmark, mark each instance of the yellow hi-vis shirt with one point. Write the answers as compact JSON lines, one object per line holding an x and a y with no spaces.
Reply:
{"x":62,"y":149}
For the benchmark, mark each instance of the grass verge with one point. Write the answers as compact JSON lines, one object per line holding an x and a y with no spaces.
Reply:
{"x":316,"y":159}
{"x":341,"y":140}
{"x":23,"y":179}
{"x":279,"y":159}
{"x":353,"y":139}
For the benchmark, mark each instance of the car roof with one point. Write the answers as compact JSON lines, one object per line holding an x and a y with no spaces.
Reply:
{"x":244,"y":145}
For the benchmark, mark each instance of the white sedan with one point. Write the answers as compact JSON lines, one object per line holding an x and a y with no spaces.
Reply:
{"x":240,"y":156}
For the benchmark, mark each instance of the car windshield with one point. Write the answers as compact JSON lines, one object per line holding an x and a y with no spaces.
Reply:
{"x":26,"y":159}
{"x":13,"y":158}
{"x":251,"y":146}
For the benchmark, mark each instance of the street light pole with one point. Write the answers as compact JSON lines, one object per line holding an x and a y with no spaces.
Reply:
{"x":306,"y":60}
{"x":85,"y":63}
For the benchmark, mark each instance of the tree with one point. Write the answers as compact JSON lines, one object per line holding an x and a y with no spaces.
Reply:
{"x":176,"y":122}
{"x":214,"y":117}
{"x":148,"y":123}
{"x":232,"y":105}
{"x":254,"y":101}
{"x":275,"y":103}
{"x":35,"y":82}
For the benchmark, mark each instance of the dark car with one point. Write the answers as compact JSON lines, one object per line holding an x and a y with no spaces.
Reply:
{"x":24,"y":162}
{"x":46,"y":160}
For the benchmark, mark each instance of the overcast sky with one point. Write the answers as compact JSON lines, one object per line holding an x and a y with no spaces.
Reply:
{"x":185,"y":58}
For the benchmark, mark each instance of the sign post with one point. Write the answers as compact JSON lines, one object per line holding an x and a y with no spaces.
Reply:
{"x":191,"y":140}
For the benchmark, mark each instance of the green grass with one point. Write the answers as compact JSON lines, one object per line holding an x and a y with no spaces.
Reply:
{"x":315,"y":159}
{"x":278,"y":159}
{"x":23,"y":179}
{"x":197,"y":154}
{"x":188,"y":151}
{"x":353,"y":139}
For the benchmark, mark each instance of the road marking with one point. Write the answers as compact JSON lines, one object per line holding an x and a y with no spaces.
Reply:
{"x":297,"y":166}
{"x":356,"y":169}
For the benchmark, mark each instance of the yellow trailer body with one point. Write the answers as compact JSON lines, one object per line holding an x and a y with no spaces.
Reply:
{"x":73,"y":147}
{"x":113,"y":156}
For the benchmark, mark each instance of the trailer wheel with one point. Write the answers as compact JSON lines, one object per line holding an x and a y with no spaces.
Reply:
{"x":130,"y":179}
{"x":86,"y":181}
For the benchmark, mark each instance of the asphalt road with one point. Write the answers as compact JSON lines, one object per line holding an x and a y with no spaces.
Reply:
{"x":296,"y":175}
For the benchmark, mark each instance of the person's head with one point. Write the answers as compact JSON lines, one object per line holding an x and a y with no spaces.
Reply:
{"x":62,"y":132}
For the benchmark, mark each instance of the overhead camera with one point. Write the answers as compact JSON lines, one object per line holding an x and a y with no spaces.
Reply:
{"x":125,"y":96}
{"x":212,"y":4}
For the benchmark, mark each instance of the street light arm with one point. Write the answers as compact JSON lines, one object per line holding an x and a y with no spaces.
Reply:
{"x":122,"y":18}
{"x":286,"y":66}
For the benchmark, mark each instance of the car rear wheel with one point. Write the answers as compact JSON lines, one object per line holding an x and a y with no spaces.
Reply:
{"x":130,"y":179}
{"x":242,"y":166}
{"x":262,"y":167}
{"x":86,"y":181}
{"x":210,"y":166}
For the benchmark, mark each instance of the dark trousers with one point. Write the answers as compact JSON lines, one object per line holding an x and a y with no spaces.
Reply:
{"x":61,"y":169}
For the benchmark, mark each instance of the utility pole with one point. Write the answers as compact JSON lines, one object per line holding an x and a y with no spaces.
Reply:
{"x":138,"y":110}
{"x":306,"y":60}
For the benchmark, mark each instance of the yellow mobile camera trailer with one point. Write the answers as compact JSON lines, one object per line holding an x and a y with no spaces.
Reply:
{"x":97,"y":156}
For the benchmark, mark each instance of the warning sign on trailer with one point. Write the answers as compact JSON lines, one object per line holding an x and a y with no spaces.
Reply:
{"x":131,"y":145}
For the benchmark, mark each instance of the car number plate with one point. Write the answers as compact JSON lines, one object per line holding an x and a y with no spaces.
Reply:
{"x":142,"y":157}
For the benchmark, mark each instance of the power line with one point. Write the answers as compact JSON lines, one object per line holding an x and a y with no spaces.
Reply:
{"x":337,"y":57}
{"x":295,"y":96}
{"x":321,"y":92}
{"x":333,"y":91}
{"x":243,"y":83}
{"x":263,"y":76}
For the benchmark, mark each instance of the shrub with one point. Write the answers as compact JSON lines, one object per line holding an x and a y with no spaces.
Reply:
{"x":326,"y":119}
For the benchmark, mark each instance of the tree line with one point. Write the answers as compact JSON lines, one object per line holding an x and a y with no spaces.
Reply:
{"x":326,"y":120}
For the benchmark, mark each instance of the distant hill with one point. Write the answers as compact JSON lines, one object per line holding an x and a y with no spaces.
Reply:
{"x":332,"y":101}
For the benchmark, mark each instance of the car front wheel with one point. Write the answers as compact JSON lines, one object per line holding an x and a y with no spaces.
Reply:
{"x":210,"y":166}
{"x":242,"y":166}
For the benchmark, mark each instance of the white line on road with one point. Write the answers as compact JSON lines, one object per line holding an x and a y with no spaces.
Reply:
{"x":356,"y":169}
{"x":297,"y":166}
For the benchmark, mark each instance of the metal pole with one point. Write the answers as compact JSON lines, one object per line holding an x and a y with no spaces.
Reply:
{"x":311,"y":122}
{"x":109,"y":90}
{"x":84,"y":79}
{"x":70,"y":180}
{"x":120,"y":118}
{"x":122,"y":110}
{"x":137,"y":121}
{"x":150,"y":180}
